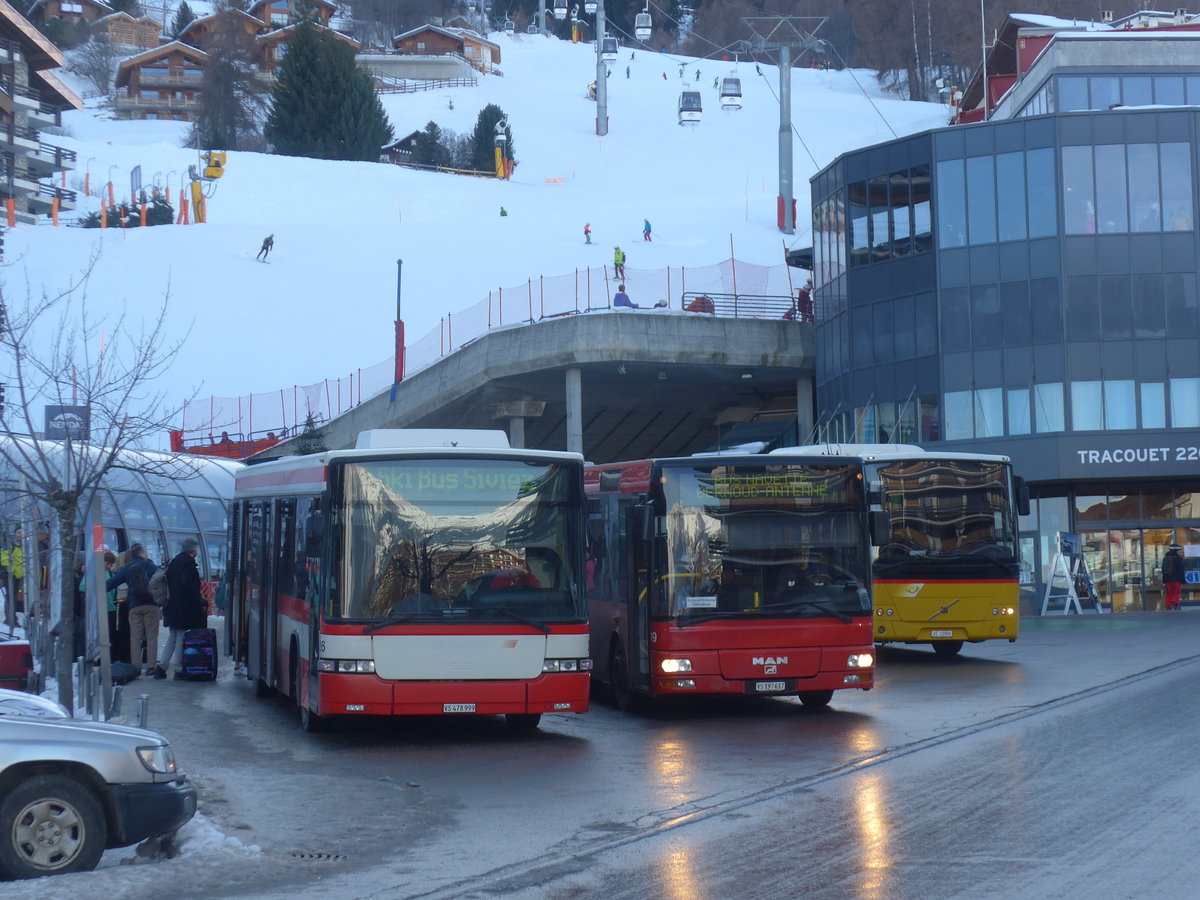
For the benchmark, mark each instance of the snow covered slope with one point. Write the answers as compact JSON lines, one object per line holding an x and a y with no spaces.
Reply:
{"x":324,"y":305}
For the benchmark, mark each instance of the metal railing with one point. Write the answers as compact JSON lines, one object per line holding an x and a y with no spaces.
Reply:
{"x":61,"y":154}
{"x":742,"y":306}
{"x":385,"y":84}
{"x":45,"y":190}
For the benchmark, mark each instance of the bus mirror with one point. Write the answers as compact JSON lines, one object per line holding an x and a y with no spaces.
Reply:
{"x":881,"y":526}
{"x":642,"y":523}
{"x":1022,"y":490}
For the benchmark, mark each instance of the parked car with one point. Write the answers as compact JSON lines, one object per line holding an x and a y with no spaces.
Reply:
{"x":71,"y":789}
{"x":19,"y":703}
{"x":16,"y":662}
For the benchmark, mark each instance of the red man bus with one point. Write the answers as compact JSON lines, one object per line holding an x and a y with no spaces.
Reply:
{"x":421,"y":573}
{"x":730,"y":574}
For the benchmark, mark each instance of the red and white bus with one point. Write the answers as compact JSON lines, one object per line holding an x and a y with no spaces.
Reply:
{"x":424,"y":572}
{"x":730,"y":574}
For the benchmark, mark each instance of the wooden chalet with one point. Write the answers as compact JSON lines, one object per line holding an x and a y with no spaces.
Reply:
{"x":200,"y":31}
{"x":272,"y":45}
{"x":70,"y":11}
{"x":275,"y":13}
{"x":433,"y":40}
{"x":123,"y":30}
{"x":163,"y":83}
{"x":31,"y":98}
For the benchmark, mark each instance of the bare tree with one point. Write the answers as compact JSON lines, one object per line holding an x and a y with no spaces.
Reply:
{"x":96,"y":61}
{"x":53,"y":352}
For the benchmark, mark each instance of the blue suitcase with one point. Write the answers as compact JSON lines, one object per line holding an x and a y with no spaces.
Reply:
{"x":200,"y":654}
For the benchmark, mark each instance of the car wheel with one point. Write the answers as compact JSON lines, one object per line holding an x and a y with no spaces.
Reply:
{"x":522,"y":721}
{"x":947,"y":649}
{"x":49,"y":825}
{"x":816,"y":699}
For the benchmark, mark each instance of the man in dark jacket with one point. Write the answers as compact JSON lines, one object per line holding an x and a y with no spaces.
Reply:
{"x":1173,"y":576}
{"x":187,"y":607}
{"x":143,"y":611}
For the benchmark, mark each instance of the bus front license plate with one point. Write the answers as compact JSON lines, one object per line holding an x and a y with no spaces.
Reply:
{"x":458,"y":707}
{"x":770,"y":687}
{"x":943,"y":633}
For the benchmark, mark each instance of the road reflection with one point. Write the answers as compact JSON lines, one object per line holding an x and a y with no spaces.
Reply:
{"x":873,"y":827}
{"x":677,"y":875}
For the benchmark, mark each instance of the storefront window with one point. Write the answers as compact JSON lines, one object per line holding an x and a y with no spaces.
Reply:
{"x":1091,"y":508}
{"x":865,"y":425}
{"x":931,"y":426}
{"x":1157,"y":505}
{"x":908,"y":423}
{"x":1187,"y":505}
{"x":885,"y":422}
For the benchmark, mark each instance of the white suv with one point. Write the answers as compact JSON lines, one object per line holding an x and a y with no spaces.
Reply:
{"x":71,"y":789}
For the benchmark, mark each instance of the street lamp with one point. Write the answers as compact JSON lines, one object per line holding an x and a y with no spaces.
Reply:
{"x":112,"y":201}
{"x":169,"y":174}
{"x":87,"y":177}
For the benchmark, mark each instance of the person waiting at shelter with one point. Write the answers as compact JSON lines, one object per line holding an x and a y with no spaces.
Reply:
{"x":621,"y":299}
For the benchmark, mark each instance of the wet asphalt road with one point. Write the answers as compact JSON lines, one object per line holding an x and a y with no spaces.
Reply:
{"x":1058,"y":766}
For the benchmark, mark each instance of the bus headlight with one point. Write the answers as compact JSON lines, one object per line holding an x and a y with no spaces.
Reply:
{"x":567,"y":665}
{"x":347,"y":666}
{"x":860,"y":660}
{"x":672,"y":666}
{"x":1003,"y":611}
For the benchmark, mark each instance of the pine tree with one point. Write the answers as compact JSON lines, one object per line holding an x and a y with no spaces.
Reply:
{"x":429,"y":147}
{"x":323,"y":105}
{"x":483,"y":156}
{"x":183,"y":18}
{"x":232,"y":102}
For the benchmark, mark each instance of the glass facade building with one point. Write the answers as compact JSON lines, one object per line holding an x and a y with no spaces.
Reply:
{"x":1028,"y":286}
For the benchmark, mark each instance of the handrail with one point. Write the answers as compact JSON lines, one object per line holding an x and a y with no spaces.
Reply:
{"x":740,"y":306}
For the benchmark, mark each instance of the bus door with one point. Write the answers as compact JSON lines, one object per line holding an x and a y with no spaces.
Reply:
{"x":235,"y":613}
{"x":260,"y":598}
{"x":639,"y":531}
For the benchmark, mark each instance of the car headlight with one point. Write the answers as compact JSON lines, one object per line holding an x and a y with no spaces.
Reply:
{"x":158,"y":759}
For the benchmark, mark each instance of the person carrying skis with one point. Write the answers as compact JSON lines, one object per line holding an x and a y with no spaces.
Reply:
{"x":619,"y":262}
{"x":587,"y":232}
{"x":646,"y":230}
{"x":265,"y":250}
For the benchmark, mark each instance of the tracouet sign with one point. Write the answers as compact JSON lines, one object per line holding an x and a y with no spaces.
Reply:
{"x":1135,"y":455}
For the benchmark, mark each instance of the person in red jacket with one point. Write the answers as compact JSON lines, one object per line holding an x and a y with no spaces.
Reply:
{"x":1173,"y":577}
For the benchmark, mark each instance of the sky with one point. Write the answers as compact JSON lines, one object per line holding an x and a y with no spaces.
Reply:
{"x":324,"y":305}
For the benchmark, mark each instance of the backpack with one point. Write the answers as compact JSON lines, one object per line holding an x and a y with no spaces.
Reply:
{"x":158,"y":587}
{"x":139,"y":586}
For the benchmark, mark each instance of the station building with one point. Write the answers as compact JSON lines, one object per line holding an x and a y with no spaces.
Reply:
{"x":1024,"y":281}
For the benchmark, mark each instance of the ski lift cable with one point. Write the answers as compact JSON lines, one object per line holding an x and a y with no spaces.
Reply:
{"x":846,"y":68}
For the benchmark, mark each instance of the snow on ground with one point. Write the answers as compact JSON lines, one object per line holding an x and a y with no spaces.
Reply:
{"x":323,"y":307}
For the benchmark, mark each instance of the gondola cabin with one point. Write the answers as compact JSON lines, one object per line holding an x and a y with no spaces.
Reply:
{"x":690,"y":108}
{"x":608,"y":49}
{"x":531,"y":29}
{"x":731,"y":93}
{"x":510,"y":27}
{"x":642,"y":25}
{"x":590,"y":7}
{"x":560,"y":9}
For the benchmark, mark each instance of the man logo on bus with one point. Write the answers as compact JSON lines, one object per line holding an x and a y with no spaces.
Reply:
{"x":769,"y":661}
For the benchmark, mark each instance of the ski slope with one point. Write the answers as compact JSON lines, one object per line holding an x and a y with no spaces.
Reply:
{"x":325,"y":304}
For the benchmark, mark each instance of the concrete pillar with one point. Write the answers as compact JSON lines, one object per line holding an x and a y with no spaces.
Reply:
{"x":516,"y":432}
{"x":806,"y":402}
{"x":574,"y":410}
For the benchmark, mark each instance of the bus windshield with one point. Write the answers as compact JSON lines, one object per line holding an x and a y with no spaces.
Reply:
{"x":453,"y":540}
{"x":946,"y":511}
{"x":784,"y":541}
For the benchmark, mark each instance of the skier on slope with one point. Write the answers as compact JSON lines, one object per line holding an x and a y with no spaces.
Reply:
{"x":265,"y":250}
{"x":619,"y":262}
{"x":646,"y":230}
{"x":587,"y":232}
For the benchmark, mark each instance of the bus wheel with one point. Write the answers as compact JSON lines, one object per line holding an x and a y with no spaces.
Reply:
{"x":815,"y":699}
{"x":947,"y":649}
{"x":522,"y":721}
{"x":628,"y":699}
{"x":309,"y":720}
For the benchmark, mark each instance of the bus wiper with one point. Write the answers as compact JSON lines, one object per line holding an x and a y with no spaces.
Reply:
{"x":814,"y":604}
{"x":520,"y":618}
{"x":684,"y":621}
{"x":391,"y":620}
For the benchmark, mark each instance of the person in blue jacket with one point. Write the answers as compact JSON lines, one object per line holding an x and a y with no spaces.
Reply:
{"x":621,"y":299}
